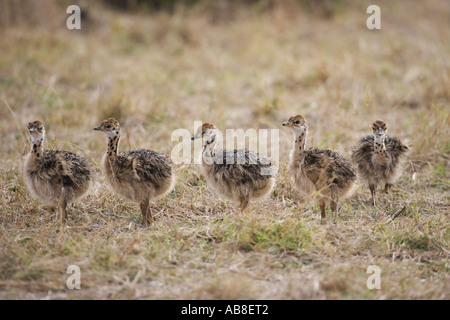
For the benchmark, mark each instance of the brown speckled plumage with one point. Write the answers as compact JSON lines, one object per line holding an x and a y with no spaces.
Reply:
{"x":55,"y":176}
{"x":319,"y":170}
{"x":249,"y":177}
{"x":379,"y":158}
{"x":138,"y":176}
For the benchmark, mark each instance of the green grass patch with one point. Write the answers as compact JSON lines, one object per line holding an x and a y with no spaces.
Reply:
{"x":276,"y":237}
{"x":416,"y":242}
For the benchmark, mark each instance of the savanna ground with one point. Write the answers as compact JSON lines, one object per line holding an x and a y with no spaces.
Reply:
{"x":253,"y":68}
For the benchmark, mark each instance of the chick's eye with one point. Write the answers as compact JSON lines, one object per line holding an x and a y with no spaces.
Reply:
{"x":297,"y":122}
{"x":108,"y":126}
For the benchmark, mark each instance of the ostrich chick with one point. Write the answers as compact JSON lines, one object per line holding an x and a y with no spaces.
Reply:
{"x":55,"y":176}
{"x":379,"y":158}
{"x":238,"y":175}
{"x":322,"y":170}
{"x":138,"y":176}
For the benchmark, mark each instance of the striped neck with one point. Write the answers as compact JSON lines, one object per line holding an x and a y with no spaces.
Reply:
{"x":36,"y":146}
{"x":209,"y":150}
{"x":113,"y":145}
{"x":300,"y":140}
{"x":379,"y":146}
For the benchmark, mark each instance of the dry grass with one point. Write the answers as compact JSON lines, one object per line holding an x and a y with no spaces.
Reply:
{"x":159,"y":73}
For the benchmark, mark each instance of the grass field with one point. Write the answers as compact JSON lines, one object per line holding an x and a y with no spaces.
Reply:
{"x":157,"y":73}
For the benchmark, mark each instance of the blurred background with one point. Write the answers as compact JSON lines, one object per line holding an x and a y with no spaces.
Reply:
{"x":158,"y":65}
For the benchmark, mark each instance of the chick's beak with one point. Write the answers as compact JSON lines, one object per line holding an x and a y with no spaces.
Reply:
{"x":286,"y":124}
{"x":99,"y":128}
